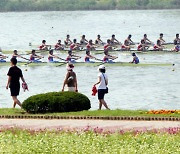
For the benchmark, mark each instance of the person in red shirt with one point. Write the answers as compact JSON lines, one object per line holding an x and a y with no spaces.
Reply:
{"x":59,"y":46}
{"x":91,"y":46}
{"x":127,"y":43}
{"x":44,"y":46}
{"x":142,"y":46}
{"x":108,"y":46}
{"x":75,"y":45}
{"x":158,"y":46}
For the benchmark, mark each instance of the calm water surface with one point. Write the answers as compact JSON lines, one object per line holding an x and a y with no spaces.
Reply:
{"x":130,"y":87}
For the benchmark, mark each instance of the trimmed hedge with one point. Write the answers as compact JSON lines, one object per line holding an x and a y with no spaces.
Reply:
{"x":56,"y":102}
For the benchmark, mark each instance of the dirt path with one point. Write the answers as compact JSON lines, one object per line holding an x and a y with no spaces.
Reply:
{"x":37,"y":124}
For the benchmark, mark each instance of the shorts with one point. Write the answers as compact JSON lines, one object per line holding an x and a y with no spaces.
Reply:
{"x":71,"y":89}
{"x":101,"y":93}
{"x":15,"y":90}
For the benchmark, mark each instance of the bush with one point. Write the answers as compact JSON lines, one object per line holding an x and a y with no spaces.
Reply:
{"x":56,"y":102}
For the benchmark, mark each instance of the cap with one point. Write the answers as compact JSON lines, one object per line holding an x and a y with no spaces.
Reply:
{"x":101,"y":67}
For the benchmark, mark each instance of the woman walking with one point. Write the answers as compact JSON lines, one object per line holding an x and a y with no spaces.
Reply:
{"x":102,"y":86}
{"x":13,"y":83}
{"x":70,"y":79}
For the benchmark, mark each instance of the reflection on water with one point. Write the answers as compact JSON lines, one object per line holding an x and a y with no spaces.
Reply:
{"x":130,"y":87}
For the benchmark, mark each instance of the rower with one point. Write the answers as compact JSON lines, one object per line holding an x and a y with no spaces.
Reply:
{"x":74,"y":45}
{"x":2,"y":57}
{"x":99,"y":41}
{"x":59,"y":46}
{"x":34,"y":56}
{"x":88,"y":57}
{"x":51,"y":57}
{"x":142,"y":46}
{"x":114,"y":41}
{"x":67,"y":41}
{"x":83,"y":40}
{"x":108,"y":46}
{"x":44,"y":46}
{"x":158,"y":46}
{"x":135,"y":59}
{"x":127,"y":43}
{"x":108,"y":58}
{"x":16,"y":55}
{"x":177,"y":39}
{"x":162,"y":41}
{"x":71,"y":57}
{"x":177,"y":46}
{"x":91,"y":46}
{"x":146,"y":40}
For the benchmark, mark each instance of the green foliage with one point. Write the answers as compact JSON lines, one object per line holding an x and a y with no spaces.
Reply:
{"x":23,"y":142}
{"x":60,"y":5}
{"x":56,"y":102}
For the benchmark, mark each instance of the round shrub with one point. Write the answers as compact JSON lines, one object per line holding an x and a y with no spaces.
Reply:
{"x":56,"y":102}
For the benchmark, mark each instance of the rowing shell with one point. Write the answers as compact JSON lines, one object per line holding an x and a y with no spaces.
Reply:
{"x":85,"y":64}
{"x":93,"y":52}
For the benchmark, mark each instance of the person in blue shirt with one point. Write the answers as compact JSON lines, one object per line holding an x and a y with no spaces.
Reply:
{"x":135,"y":59}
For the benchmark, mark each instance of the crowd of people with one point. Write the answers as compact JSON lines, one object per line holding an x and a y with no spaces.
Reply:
{"x":144,"y":44}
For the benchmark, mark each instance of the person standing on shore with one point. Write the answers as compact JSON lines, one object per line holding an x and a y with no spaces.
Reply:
{"x":13,"y":83}
{"x":102,"y":86}
{"x":70,"y":79}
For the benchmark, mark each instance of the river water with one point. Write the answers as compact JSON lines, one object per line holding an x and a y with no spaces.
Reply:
{"x":129,"y":87}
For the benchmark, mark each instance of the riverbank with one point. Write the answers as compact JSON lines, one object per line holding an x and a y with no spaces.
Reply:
{"x":97,"y":114}
{"x":68,"y":5}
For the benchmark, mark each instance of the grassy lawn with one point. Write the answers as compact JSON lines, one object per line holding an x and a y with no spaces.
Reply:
{"x":19,"y":141}
{"x":9,"y":111}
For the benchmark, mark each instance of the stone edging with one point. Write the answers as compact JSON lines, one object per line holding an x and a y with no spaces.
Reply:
{"x":136,"y":118}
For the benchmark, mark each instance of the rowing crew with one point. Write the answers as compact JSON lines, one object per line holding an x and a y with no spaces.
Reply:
{"x":70,"y":58}
{"x":112,"y":43}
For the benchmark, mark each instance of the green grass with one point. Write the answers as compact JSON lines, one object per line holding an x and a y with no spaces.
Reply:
{"x":21,"y":142}
{"x":9,"y":111}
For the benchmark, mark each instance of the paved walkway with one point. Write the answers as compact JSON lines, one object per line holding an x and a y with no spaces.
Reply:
{"x":37,"y":124}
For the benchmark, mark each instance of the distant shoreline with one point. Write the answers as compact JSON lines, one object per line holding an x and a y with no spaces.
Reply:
{"x":86,"y":5}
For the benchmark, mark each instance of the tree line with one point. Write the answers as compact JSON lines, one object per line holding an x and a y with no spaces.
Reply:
{"x":70,"y":5}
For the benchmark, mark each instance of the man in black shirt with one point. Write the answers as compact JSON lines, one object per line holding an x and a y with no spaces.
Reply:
{"x":13,"y":83}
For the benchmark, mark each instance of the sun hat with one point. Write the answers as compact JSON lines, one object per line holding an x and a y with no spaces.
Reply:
{"x":101,"y":67}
